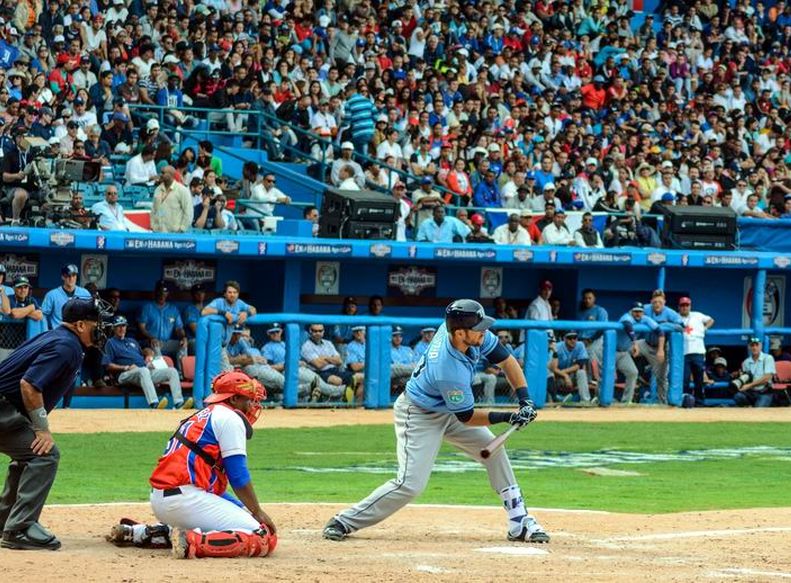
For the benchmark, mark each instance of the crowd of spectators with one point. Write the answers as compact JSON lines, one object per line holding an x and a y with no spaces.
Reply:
{"x":534,"y":107}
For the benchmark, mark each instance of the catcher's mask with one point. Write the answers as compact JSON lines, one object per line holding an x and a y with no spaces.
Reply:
{"x":94,"y":310}
{"x":227,"y":384}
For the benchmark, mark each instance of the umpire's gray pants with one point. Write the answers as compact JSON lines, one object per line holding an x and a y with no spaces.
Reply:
{"x":658,"y":369}
{"x":419,"y":435}
{"x":626,"y":366}
{"x":30,"y":476}
{"x":146,"y":378}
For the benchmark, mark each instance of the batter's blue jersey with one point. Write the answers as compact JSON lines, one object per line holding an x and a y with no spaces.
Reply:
{"x":54,"y":301}
{"x":442,"y":380}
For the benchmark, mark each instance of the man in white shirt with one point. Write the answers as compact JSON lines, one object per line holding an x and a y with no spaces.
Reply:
{"x":267,"y":192}
{"x":753,"y":386}
{"x":540,"y":309}
{"x":347,"y":149}
{"x":511,"y":233}
{"x":346,"y":175}
{"x":141,"y":169}
{"x":82,"y":116}
{"x":557,"y":233}
{"x":110,"y":213}
{"x":511,"y":188}
{"x":391,"y":147}
{"x":695,"y":326}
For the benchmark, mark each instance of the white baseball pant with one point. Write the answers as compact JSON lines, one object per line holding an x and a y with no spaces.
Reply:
{"x":196,"y":508}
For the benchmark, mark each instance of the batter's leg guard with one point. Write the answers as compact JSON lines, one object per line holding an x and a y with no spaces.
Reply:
{"x":194,"y":544}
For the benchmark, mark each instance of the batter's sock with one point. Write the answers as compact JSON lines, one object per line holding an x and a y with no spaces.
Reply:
{"x":515,"y":507}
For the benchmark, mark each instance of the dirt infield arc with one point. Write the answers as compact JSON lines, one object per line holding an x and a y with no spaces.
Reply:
{"x":424,"y":543}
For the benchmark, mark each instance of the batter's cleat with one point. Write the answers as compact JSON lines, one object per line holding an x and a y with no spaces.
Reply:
{"x":34,"y":538}
{"x":334,"y":530}
{"x":121,"y":535}
{"x":182,"y":549}
{"x":531,"y":532}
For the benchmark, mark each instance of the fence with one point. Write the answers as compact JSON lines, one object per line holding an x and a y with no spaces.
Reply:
{"x":212,"y":330}
{"x":15,"y":332}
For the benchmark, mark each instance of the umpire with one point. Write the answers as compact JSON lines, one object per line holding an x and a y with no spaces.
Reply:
{"x":32,"y":380}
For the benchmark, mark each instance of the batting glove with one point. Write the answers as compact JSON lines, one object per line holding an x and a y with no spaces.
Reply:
{"x":526,"y":414}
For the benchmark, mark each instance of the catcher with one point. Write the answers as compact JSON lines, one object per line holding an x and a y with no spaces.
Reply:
{"x":207,"y":451}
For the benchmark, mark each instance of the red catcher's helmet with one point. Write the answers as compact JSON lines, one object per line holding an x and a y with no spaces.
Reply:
{"x":227,"y":384}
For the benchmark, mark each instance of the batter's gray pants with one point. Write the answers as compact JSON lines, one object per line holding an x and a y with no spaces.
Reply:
{"x":30,"y":476}
{"x":626,"y":366}
{"x":659,"y":370}
{"x":146,"y":378}
{"x":419,"y":435}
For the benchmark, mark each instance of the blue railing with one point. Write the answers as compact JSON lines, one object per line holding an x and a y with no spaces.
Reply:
{"x":212,"y":331}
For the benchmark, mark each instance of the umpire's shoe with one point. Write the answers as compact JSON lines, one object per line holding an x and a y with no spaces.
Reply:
{"x":531,"y":532}
{"x":334,"y":530}
{"x":34,"y":538}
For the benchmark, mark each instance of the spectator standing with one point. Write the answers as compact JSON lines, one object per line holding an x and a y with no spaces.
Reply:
{"x":425,"y":199}
{"x":361,"y":114}
{"x":754,"y":387}
{"x":172,"y":211}
{"x":695,"y":326}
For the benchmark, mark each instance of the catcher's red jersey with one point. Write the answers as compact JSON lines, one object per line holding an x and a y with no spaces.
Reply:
{"x":220,"y":432}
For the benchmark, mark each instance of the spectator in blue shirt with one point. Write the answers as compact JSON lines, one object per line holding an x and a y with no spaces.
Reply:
{"x":572,"y":360}
{"x":442,"y":229}
{"x":124,"y":358}
{"x":487,"y":193}
{"x":161,"y":326}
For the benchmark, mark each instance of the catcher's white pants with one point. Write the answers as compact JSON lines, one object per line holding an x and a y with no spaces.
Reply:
{"x":419,"y":435}
{"x":196,"y":508}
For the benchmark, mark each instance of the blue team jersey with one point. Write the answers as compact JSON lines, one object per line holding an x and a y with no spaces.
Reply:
{"x":54,"y":300}
{"x":594,"y":314}
{"x":623,"y":341}
{"x":190,"y":315}
{"x":221,"y":304}
{"x":420,"y":348}
{"x":241,"y":347}
{"x":402,"y":355}
{"x":123,"y":352}
{"x":442,"y":380}
{"x":161,"y":321}
{"x":666,"y":315}
{"x":355,"y":353}
{"x":567,"y":358}
{"x":274,"y":352}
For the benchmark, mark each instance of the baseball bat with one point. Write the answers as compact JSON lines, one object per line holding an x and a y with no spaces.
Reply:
{"x":497,"y":442}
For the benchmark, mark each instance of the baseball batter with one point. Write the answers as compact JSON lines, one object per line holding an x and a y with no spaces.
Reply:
{"x":189,"y":496}
{"x":438,"y":404}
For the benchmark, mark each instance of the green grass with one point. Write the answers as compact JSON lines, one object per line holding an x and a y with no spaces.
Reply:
{"x":106,"y":467}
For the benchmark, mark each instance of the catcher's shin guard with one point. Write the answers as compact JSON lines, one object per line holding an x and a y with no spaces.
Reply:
{"x":194,"y":544}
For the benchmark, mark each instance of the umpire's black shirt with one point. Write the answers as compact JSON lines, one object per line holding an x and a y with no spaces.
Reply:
{"x":50,"y":362}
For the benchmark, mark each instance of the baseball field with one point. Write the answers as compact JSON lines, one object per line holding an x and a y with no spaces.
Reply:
{"x":648,"y":494}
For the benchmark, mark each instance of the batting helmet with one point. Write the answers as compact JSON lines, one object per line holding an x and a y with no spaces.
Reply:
{"x":227,"y":384}
{"x":467,"y":315}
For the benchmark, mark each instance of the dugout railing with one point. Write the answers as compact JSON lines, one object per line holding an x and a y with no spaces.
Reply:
{"x":212,"y":332}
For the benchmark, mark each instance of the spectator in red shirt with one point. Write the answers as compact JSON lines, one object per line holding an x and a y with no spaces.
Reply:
{"x":594,"y":95}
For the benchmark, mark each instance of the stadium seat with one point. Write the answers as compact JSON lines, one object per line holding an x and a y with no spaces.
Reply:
{"x":782,"y":380}
{"x":187,"y":371}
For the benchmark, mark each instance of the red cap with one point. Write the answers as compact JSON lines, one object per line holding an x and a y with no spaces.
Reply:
{"x":546,"y":284}
{"x":476,"y":219}
{"x":685,"y":301}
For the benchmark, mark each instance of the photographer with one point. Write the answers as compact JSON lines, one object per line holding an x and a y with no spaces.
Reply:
{"x":212,"y":214}
{"x":753,"y":383}
{"x":19,"y":186}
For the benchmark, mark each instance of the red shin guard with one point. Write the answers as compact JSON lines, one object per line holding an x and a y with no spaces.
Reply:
{"x":227,"y":544}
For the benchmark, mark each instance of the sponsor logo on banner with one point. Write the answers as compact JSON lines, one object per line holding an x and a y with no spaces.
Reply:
{"x":135,"y":244}
{"x":410,"y":280}
{"x":328,"y":278}
{"x":14,"y":237}
{"x":93,"y":269}
{"x":317,"y":249}
{"x":412,"y":251}
{"x":461,"y":253}
{"x":186,"y":273}
{"x":101,"y":242}
{"x":227,"y":246}
{"x":774,"y":301}
{"x":600,"y":257}
{"x":657,"y":258}
{"x":380,"y":250}
{"x":20,"y":266}
{"x":553,"y":256}
{"x":62,"y":239}
{"x":523,"y":255}
{"x":685,"y":260}
{"x":729,"y":260}
{"x":782,"y":261}
{"x":262,"y":248}
{"x":491,"y":282}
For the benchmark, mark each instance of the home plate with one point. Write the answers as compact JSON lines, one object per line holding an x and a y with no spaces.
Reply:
{"x":609,"y":472}
{"x":521,"y":550}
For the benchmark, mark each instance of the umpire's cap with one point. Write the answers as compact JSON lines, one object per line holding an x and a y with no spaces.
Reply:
{"x":77,"y":309}
{"x":467,"y":315}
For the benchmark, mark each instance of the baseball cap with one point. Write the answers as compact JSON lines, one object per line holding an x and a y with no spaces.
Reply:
{"x":119,"y":321}
{"x":560,"y":211}
{"x":546,"y":284}
{"x":550,"y":186}
{"x":591,"y":162}
{"x":668,"y":197}
{"x":720,"y":362}
{"x":238,"y":329}
{"x":120,"y":116}
{"x":77,"y":309}
{"x":152,"y":124}
{"x":347,"y":146}
{"x":398,"y":331}
{"x":638,"y":307}
{"x":349,"y":300}
{"x":275,"y":327}
{"x":570,"y":334}
{"x":69,"y":269}
{"x":20,"y":281}
{"x":161,"y":285}
{"x":685,"y":301}
{"x":426,"y":180}
{"x":476,"y":219}
{"x":427,"y":329}
{"x":754,"y":340}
